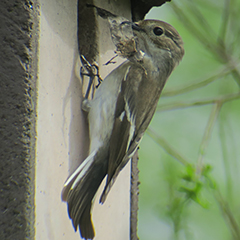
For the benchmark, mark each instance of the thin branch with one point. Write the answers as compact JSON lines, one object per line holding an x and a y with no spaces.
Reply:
{"x":200,"y":18}
{"x":218,"y":49}
{"x":180,"y":105}
{"x":203,"y":38}
{"x":225,"y":19}
{"x":228,"y":215}
{"x":227,"y":164}
{"x":235,"y":72}
{"x":190,"y":87}
{"x":169,"y":149}
{"x":206,"y":137}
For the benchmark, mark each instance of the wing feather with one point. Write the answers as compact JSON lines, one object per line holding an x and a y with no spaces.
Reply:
{"x":137,"y":103}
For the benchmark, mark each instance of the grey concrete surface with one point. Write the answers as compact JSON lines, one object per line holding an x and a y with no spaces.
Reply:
{"x":18,"y":63}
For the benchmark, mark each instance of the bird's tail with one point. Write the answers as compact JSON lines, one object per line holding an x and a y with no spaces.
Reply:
{"x":80,"y":189}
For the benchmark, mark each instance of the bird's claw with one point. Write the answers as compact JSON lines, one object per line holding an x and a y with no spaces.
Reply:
{"x":92,"y":71}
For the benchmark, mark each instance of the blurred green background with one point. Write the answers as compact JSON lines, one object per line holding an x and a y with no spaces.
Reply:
{"x":190,"y":156}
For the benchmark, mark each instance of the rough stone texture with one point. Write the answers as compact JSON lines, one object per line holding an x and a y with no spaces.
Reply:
{"x":17,"y":124}
{"x":134,"y":197}
{"x":141,"y":7}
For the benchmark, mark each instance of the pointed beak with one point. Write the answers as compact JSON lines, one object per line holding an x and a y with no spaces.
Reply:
{"x":136,"y":27}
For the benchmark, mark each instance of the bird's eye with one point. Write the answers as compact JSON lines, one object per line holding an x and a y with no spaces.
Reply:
{"x":158,"y":31}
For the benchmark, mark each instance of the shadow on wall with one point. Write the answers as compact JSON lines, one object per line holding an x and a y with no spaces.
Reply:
{"x":61,"y":15}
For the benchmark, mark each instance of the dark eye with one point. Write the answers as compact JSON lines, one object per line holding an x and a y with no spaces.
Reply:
{"x":158,"y":31}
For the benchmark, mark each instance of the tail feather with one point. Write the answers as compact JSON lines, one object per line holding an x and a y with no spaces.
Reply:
{"x":76,"y":175}
{"x":86,"y":225}
{"x":82,"y":192}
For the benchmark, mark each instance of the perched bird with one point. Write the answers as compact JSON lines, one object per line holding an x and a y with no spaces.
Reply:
{"x":121,"y":111}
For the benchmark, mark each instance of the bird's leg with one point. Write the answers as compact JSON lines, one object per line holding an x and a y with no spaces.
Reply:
{"x":92,"y":71}
{"x":97,"y":75}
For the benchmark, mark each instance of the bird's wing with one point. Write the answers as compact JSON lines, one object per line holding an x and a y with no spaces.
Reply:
{"x":136,"y":105}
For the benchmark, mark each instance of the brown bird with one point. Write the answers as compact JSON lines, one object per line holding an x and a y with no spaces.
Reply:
{"x":121,"y":111}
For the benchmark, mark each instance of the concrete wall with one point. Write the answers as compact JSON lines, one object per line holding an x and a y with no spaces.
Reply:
{"x":18,"y":65}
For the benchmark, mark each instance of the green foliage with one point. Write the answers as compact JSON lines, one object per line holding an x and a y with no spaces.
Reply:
{"x":190,"y":156}
{"x":193,"y":185}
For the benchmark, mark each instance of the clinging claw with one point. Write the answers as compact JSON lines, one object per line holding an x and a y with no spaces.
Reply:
{"x":91,"y":71}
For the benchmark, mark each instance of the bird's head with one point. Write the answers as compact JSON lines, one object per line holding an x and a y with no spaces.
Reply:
{"x":156,"y":36}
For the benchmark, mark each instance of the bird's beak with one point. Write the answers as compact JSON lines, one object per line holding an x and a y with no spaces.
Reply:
{"x":136,"y":27}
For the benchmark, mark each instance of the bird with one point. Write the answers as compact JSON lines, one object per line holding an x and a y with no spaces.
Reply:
{"x":120,"y":112}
